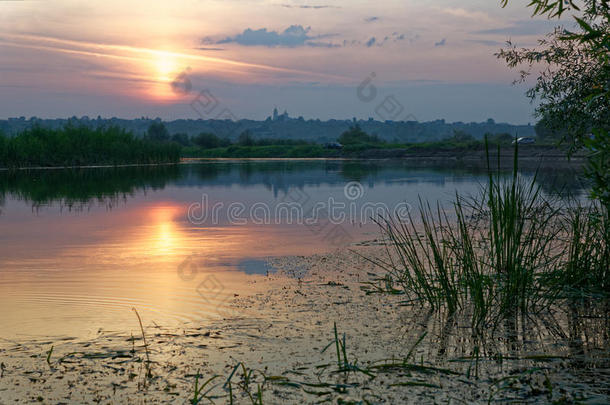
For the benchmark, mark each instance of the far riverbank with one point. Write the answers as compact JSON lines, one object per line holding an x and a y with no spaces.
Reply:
{"x":530,"y":156}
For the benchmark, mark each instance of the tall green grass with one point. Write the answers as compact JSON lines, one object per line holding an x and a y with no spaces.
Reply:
{"x":587,"y":265}
{"x":80,"y":146}
{"x":519,"y":240}
{"x":422,"y":263}
{"x":507,"y":251}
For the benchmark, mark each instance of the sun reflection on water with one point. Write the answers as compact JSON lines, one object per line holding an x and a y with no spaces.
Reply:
{"x":166,"y":236}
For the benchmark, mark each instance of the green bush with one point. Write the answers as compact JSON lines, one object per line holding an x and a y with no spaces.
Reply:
{"x":206,"y":140}
{"x":355,"y":135}
{"x":81,"y":146}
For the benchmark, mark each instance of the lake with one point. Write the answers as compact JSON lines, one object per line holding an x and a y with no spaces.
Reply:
{"x":80,"y":248}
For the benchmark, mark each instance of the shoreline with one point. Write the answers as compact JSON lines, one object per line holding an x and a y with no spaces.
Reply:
{"x":6,"y":169}
{"x":540,"y":156}
{"x":279,"y":333}
{"x":547,"y":158}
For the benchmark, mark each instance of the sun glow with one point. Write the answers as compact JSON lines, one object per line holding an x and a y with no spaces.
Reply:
{"x":150,"y":72}
{"x":166,"y":237}
{"x":166,"y":66}
{"x":165,"y":69}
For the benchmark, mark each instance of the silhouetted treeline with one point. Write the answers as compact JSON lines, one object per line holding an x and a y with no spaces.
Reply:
{"x":312,"y":130}
{"x":81,"y":145}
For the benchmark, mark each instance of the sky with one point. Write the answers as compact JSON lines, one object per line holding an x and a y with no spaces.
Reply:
{"x":397,"y":59}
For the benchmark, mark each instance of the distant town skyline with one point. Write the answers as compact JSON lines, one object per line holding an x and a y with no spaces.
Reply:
{"x":127,"y":59}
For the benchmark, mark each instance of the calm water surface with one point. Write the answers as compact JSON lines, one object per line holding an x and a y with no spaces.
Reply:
{"x":80,"y":248}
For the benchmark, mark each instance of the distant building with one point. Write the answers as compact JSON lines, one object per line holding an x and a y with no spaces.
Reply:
{"x":280,"y":117}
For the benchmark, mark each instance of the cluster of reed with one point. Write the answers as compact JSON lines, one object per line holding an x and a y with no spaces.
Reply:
{"x":510,"y":250}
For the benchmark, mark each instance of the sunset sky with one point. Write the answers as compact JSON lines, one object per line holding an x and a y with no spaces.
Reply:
{"x":119,"y":58}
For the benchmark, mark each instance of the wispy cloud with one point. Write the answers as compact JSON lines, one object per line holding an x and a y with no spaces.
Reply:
{"x":131,"y":53}
{"x":398,"y":37}
{"x":468,"y":14}
{"x":306,"y":6}
{"x":323,"y":45}
{"x":485,"y":42}
{"x":292,"y":37}
{"x":521,"y":27}
{"x":395,"y":37}
{"x":298,"y":36}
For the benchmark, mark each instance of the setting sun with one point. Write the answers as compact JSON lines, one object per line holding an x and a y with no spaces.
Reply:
{"x":166,"y":66}
{"x":164,"y":69}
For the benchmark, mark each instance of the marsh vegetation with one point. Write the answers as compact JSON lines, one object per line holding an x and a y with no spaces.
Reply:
{"x":82,"y":146}
{"x":508,"y":251}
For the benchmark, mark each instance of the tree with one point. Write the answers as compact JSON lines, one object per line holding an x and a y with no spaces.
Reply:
{"x":355,"y":135}
{"x":181,"y":139}
{"x":461,"y":136}
{"x":245,"y":139}
{"x":3,"y":145}
{"x":158,"y":132}
{"x":224,"y":142}
{"x":501,"y":139}
{"x":547,"y":133}
{"x":206,"y":140}
{"x":573,"y":83}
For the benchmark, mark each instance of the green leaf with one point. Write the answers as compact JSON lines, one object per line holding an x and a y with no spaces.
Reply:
{"x":584,"y":25}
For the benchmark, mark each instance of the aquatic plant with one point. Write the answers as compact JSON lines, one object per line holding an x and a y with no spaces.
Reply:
{"x":499,"y":254}
{"x":518,"y":240}
{"x":49,"y":354}
{"x":344,"y":366}
{"x":148,"y":370}
{"x":198,"y":393}
{"x":80,"y":145}
{"x":587,"y":266}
